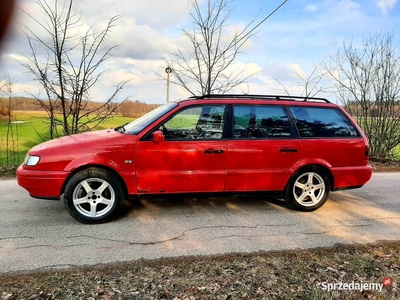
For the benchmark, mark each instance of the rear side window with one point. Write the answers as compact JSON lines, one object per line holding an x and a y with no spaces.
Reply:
{"x":322,"y":122}
{"x":260,"y":121}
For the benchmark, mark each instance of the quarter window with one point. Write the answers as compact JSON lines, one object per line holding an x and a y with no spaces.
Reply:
{"x":256,"y":121}
{"x":199,"y":122}
{"x":322,"y":122}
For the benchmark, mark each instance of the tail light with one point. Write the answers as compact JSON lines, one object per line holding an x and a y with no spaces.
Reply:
{"x":367,"y":153}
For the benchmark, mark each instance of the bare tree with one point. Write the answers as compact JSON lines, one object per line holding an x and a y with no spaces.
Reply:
{"x":311,"y":85}
{"x":67,"y":65}
{"x":367,"y":81}
{"x":204,"y":69}
{"x":2,"y":101}
{"x":11,"y":143}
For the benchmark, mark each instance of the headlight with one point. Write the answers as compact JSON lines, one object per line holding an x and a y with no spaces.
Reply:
{"x":31,"y":160}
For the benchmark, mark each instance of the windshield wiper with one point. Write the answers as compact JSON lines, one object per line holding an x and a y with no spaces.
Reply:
{"x":121,"y":128}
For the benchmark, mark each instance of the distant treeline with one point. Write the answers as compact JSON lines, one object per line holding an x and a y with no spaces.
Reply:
{"x":371,"y":110}
{"x":131,"y":109}
{"x":135,"y":109}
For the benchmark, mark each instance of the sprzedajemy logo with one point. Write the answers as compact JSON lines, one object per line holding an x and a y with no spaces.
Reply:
{"x":356,"y":286}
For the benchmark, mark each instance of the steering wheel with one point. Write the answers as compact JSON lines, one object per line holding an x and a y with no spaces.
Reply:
{"x":199,"y":130}
{"x":164,"y":129}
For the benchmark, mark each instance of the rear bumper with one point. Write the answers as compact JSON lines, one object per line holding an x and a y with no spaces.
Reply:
{"x":42,"y":184}
{"x":351,"y":177}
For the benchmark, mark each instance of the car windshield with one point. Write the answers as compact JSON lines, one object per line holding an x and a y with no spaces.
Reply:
{"x":139,"y":124}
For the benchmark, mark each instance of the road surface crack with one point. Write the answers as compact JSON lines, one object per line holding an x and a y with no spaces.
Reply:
{"x":180,"y":236}
{"x":15,"y":238}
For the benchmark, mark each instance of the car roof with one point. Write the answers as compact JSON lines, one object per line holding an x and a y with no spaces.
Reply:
{"x":244,"y":98}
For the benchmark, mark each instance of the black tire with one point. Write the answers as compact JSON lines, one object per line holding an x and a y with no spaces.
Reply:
{"x":308,"y":189}
{"x":94,"y":196}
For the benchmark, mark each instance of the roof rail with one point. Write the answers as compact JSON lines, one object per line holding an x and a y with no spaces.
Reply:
{"x":264,"y":97}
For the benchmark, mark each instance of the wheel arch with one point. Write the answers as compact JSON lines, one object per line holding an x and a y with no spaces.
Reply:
{"x":84,"y":167}
{"x":323,"y":168}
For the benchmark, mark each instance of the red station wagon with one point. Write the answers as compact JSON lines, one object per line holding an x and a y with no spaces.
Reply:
{"x":301,"y":147}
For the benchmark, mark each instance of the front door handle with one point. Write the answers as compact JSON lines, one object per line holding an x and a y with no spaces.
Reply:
{"x":288,"y":150}
{"x":213,"y":151}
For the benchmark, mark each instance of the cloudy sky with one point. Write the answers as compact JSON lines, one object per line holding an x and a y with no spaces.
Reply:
{"x":301,"y":34}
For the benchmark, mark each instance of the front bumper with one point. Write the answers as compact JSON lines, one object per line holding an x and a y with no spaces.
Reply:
{"x":41,"y":184}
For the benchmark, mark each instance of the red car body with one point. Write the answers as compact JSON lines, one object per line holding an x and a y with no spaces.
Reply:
{"x":146,"y":162}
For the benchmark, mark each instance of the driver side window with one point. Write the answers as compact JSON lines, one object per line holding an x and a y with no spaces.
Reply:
{"x":199,"y":122}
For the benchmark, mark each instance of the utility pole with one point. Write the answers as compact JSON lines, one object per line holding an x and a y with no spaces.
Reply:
{"x":168,"y":70}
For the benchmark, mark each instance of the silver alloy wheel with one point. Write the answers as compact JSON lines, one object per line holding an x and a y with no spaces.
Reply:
{"x":309,"y":189}
{"x":93,"y":197}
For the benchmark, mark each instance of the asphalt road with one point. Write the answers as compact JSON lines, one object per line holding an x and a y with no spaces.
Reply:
{"x":39,"y":234}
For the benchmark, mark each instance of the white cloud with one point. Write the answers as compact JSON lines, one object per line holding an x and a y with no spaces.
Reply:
{"x":139,"y":41}
{"x":311,"y":8}
{"x":19,"y":58}
{"x":284,"y":72}
{"x":158,"y":14}
{"x":137,"y":72}
{"x":348,"y":5}
{"x":386,"y":5}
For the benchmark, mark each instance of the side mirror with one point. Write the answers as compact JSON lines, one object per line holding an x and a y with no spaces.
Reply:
{"x":158,"y":136}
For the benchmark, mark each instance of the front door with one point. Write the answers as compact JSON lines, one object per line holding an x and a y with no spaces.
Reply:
{"x":192,"y":156}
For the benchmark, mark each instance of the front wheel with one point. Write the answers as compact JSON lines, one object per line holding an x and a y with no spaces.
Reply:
{"x":307,"y":189}
{"x":93,"y":196}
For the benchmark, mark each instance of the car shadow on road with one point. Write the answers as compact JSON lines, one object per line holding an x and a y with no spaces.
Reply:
{"x":202,"y":202}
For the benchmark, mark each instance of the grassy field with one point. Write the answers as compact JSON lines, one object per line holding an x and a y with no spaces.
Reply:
{"x":28,"y":130}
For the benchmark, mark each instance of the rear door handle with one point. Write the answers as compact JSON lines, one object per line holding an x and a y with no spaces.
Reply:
{"x":213,"y":151}
{"x":288,"y":150}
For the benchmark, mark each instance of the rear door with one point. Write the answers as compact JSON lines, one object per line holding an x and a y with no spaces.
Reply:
{"x":262,"y":149}
{"x":329,"y":136}
{"x":192,"y":157}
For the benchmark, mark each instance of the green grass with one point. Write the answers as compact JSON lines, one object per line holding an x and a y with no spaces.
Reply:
{"x":396,"y":152}
{"x":29,"y":128}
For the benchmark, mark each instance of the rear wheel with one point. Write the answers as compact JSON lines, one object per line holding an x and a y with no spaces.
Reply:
{"x":93,"y":196}
{"x":308,"y":189}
